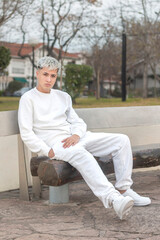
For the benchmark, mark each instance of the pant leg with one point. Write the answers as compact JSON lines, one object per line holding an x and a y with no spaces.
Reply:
{"x":118,"y":145}
{"x":87,"y":165}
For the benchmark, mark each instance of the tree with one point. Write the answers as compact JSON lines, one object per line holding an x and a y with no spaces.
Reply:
{"x":106,"y":62}
{"x":77,"y":76}
{"x":145,"y":47}
{"x":59,"y":21}
{"x":13,"y":86}
{"x":140,"y":22}
{"x":8,"y":9}
{"x":99,"y":37}
{"x":5,"y":57}
{"x":14,"y":12}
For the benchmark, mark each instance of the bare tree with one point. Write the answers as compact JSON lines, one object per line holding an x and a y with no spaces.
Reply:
{"x":12,"y":12}
{"x":61,"y":21}
{"x":141,"y":20}
{"x":105,"y":61}
{"x":8,"y":9}
{"x":98,"y":38}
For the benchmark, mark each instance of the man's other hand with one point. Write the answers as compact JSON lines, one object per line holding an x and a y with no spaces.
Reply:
{"x":71,"y":141}
{"x":51,"y":153}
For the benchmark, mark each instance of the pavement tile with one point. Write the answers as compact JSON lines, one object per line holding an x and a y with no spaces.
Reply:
{"x":84,"y":217}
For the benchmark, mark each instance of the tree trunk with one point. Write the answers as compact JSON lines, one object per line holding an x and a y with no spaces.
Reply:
{"x":145,"y":80}
{"x":98,"y":84}
{"x":61,"y":74}
{"x":56,"y":172}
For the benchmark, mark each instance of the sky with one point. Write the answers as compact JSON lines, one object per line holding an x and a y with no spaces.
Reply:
{"x":14,"y":34}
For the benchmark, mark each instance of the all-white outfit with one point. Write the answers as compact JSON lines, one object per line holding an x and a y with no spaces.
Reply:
{"x":45,"y":119}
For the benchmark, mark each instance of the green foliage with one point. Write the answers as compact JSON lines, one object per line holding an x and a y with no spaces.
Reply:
{"x":77,"y":76}
{"x":5,"y":57}
{"x":14,"y":86}
{"x":1,"y":93}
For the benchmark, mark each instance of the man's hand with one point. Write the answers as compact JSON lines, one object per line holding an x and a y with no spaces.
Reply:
{"x":51,"y":153}
{"x":71,"y":141}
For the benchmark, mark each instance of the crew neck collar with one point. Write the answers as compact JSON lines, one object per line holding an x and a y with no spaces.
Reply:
{"x":46,"y":94}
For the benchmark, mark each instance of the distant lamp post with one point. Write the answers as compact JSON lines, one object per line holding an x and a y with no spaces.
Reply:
{"x":33,"y":42}
{"x":124,"y":51}
{"x":123,"y":66}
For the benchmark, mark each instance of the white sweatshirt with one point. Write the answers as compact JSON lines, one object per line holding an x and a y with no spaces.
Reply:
{"x":44,"y":117}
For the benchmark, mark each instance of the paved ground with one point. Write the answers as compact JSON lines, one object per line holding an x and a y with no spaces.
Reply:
{"x":84,"y":217}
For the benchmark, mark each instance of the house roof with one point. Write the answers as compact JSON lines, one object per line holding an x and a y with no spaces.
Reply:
{"x":67,"y":54}
{"x":15,"y":47}
{"x":27,"y":49}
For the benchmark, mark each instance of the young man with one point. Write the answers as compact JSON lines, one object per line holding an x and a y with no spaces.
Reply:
{"x":49,"y":126}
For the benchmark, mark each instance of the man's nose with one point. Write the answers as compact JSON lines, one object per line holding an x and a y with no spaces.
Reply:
{"x":48,"y":79}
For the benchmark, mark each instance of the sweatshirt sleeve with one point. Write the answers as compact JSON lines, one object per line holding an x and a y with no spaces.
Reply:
{"x":78,"y":126}
{"x":25,"y":121}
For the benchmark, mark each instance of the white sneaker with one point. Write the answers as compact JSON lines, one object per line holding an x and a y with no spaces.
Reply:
{"x":122,"y":206}
{"x":138,"y":200}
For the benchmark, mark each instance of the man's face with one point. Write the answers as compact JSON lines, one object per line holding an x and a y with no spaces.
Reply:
{"x":46,"y":79}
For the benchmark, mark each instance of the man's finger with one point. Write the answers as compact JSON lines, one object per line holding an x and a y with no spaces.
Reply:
{"x":64,"y":140}
{"x":68,"y":144}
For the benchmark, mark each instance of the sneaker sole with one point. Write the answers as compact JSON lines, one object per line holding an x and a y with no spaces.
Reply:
{"x":141,"y":204}
{"x":126,"y":207}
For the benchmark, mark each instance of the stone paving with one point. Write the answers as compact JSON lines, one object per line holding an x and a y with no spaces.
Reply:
{"x":84,"y":217}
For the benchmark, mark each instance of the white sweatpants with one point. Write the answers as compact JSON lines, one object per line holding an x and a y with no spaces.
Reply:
{"x":81,"y":157}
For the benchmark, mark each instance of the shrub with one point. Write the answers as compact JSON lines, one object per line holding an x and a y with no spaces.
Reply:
{"x":13,"y":86}
{"x":77,"y":76}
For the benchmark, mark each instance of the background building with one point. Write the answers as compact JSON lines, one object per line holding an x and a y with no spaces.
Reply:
{"x":21,"y":68}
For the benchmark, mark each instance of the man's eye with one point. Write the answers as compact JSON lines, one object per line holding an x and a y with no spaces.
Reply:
{"x":53,"y":76}
{"x":45,"y":74}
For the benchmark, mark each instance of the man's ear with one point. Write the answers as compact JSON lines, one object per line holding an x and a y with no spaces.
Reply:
{"x":37,"y":73}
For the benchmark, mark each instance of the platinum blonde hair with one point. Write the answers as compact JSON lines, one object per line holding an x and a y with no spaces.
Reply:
{"x":48,"y":62}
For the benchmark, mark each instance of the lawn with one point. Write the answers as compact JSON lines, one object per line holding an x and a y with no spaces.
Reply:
{"x":11,"y":103}
{"x":115,"y":102}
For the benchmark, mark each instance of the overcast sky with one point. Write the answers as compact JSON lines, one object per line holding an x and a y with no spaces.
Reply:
{"x":13,"y":34}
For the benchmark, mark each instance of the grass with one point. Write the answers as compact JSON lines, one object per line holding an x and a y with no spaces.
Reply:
{"x":11,"y":103}
{"x":115,"y":102}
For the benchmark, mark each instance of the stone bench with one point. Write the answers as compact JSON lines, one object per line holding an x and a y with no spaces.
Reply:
{"x":141,"y":124}
{"x":9,"y":127}
{"x":136,"y":122}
